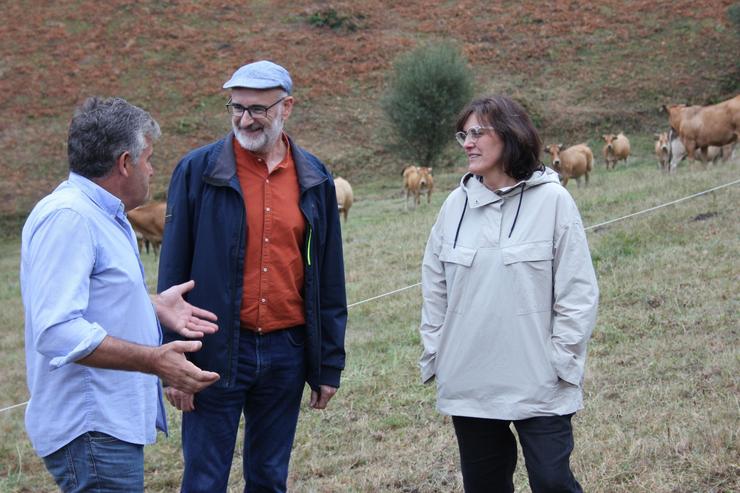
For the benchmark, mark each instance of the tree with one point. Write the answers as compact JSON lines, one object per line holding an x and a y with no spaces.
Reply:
{"x":428,"y":87}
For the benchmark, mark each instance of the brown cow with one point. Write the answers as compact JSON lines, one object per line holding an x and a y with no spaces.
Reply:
{"x":661,"y":151}
{"x":573,"y":162}
{"x":617,"y":148}
{"x":678,"y":152}
{"x":417,"y":179}
{"x":344,"y":195}
{"x":148,"y":223}
{"x":702,"y":126}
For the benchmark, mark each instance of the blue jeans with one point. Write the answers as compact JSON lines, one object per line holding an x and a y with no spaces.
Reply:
{"x":488,"y":453}
{"x":98,"y":463}
{"x":269,"y":385}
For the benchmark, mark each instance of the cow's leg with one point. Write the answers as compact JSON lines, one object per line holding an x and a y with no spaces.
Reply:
{"x":586,"y":179}
{"x":704,"y":155}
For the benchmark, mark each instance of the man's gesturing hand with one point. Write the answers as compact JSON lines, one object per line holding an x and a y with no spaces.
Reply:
{"x":180,"y":316}
{"x":170,"y":363}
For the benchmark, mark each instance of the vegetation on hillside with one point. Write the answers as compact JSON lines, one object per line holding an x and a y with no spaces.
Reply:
{"x":428,"y":88}
{"x":580,"y":68}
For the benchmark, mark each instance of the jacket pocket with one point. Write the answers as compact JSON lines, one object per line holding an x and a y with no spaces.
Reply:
{"x":457,"y":263}
{"x":531,"y":269}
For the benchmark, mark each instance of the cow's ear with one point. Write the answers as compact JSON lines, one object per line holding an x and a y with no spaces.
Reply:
{"x":560,"y":146}
{"x":547,"y":150}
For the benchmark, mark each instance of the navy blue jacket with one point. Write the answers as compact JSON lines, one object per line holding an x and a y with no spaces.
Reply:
{"x":205,"y":240}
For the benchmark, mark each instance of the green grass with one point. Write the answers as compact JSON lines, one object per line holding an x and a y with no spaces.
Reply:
{"x":661,"y":384}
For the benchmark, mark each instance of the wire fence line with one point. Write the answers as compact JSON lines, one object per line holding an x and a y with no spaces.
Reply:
{"x":588,"y":228}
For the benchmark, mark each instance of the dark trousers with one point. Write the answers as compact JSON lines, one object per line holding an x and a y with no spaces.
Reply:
{"x":488,"y":453}
{"x":268,"y":390}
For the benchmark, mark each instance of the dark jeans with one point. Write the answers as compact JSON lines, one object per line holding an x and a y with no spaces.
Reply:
{"x":488,"y":453}
{"x":268,"y":390}
{"x":98,"y":463}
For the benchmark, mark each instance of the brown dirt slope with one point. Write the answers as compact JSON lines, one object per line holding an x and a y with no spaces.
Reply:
{"x":576,"y":65}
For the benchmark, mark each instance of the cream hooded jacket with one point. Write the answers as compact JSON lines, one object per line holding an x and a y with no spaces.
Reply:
{"x":510,"y":300}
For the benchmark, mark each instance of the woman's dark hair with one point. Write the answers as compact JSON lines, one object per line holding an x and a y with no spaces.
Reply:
{"x":522,"y":144}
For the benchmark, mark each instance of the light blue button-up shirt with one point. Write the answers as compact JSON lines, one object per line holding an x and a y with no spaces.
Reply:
{"x":82,"y":279}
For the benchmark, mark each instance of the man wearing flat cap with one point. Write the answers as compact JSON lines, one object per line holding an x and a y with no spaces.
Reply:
{"x":253,"y":219}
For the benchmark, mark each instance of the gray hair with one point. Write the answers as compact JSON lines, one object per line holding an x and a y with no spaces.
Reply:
{"x":103,"y":129}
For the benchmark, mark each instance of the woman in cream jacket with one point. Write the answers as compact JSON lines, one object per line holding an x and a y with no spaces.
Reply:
{"x":510,"y":300}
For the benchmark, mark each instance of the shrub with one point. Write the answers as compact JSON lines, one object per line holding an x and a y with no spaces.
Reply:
{"x":428,"y":87}
{"x":334,"y":20}
{"x":733,"y":13}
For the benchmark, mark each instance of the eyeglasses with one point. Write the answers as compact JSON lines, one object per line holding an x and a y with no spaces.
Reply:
{"x":255,"y":110}
{"x":475,"y":133}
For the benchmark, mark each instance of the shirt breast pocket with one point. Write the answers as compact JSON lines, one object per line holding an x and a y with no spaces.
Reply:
{"x":457,"y":264}
{"x":530,"y":266}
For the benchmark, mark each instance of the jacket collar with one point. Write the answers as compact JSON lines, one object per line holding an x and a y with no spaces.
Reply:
{"x":222,"y":169}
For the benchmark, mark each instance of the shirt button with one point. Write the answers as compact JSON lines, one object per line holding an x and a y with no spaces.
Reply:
{"x":259,"y":329}
{"x":264,"y":300}
{"x":264,"y":269}
{"x":267,"y":209}
{"x":267,"y":240}
{"x":267,"y":181}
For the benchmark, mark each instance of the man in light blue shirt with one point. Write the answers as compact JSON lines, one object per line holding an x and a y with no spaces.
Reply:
{"x":93,"y":352}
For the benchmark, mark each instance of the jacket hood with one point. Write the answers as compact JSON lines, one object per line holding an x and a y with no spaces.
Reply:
{"x":473,"y":184}
{"x":478,"y":195}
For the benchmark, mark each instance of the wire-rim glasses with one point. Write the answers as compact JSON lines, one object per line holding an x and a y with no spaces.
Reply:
{"x":475,"y":133}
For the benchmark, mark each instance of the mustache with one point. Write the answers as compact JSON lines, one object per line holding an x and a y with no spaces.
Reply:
{"x":251,"y":127}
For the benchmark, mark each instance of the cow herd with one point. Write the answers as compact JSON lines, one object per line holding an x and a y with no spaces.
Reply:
{"x":711,"y":130}
{"x":707,"y":133}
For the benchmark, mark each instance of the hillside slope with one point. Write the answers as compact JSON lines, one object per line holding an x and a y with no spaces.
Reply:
{"x":579,"y":67}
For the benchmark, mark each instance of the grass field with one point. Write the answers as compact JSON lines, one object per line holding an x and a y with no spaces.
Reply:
{"x":662,"y":403}
{"x":661,"y":386}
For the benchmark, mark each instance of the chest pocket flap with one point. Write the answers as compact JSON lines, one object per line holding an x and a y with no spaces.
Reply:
{"x":527,"y":252}
{"x":459,"y":255}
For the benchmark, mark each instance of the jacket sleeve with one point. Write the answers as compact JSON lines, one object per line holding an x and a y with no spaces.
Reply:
{"x":434,"y":306}
{"x":332,"y":296}
{"x":575,"y":300}
{"x":177,"y":246}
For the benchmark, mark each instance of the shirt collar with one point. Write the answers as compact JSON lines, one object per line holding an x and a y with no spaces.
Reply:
{"x":108,"y":202}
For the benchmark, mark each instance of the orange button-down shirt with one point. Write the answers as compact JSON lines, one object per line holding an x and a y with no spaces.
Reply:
{"x":273,"y":271}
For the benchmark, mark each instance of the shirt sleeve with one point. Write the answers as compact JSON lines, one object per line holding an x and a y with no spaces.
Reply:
{"x":576,"y":297}
{"x":434,"y":306}
{"x":333,"y":305}
{"x":59,"y":260}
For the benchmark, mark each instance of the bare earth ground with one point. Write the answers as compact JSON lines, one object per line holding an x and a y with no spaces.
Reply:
{"x":577,"y":66}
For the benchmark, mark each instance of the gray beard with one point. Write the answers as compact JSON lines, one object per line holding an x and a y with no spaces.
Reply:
{"x":265,"y":141}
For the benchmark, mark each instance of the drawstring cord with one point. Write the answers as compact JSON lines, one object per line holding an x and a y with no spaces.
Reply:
{"x":459,"y":223}
{"x":516,"y":216}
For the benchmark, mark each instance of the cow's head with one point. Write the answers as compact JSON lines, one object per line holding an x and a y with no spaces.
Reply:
{"x":554,"y":151}
{"x":609,"y":139}
{"x":662,"y":142}
{"x":425,"y":175}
